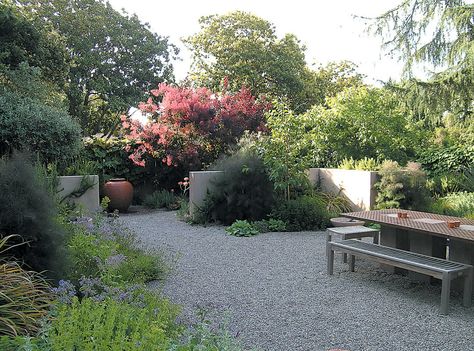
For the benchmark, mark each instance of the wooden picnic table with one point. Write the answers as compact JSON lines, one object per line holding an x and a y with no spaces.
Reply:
{"x":423,"y":232}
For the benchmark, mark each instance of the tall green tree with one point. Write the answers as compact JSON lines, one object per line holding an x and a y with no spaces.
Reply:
{"x":363,"y":122}
{"x":23,"y":42}
{"x":244,"y":50}
{"x":329,"y":80}
{"x":287,"y":149}
{"x":114,"y":57}
{"x":439,"y":33}
{"x":33,"y":70}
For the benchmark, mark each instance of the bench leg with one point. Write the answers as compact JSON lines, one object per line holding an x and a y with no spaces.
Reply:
{"x":351,"y":262}
{"x":344,"y":258}
{"x":467,"y":297}
{"x":445,"y":291}
{"x":330,"y":258}
{"x":328,"y":239}
{"x":376,"y":238}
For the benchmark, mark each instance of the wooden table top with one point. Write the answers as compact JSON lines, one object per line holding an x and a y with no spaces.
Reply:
{"x":424,"y":222}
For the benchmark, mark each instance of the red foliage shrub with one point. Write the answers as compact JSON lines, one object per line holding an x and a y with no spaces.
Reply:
{"x":191,"y":127}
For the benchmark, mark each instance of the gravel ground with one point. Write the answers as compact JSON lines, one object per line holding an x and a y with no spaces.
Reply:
{"x":277,"y":295}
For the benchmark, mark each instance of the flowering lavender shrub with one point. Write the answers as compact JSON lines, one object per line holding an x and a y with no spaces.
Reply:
{"x":65,"y":291}
{"x":115,"y":260}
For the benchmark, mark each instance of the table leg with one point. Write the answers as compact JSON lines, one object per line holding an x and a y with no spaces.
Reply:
{"x":397,"y":238}
{"x":421,"y":243}
{"x":460,"y":251}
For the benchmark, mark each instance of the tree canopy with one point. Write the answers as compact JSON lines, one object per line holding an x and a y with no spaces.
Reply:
{"x":439,"y":33}
{"x":22,"y":42}
{"x":244,"y":49}
{"x":114,"y":58}
{"x":363,"y":122}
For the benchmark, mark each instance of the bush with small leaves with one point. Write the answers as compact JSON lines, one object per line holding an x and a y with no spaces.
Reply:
{"x":29,"y":125}
{"x":365,"y":164}
{"x":402,"y":187}
{"x":269,"y":225}
{"x":459,"y":204}
{"x":27,"y":209}
{"x":162,"y":199}
{"x":244,"y":191}
{"x":302,"y":213}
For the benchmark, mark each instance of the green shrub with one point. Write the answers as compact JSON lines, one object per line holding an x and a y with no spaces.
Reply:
{"x":456,"y":204}
{"x":112,"y":156}
{"x":363,"y":122}
{"x":302,"y":213}
{"x":87,"y":252}
{"x":445,"y":160}
{"x":288,"y":150}
{"x":112,"y":160}
{"x":402,"y":187}
{"x":27,"y":124}
{"x":261,"y":226}
{"x":25,"y":296}
{"x":244,"y":191}
{"x":161,"y":199}
{"x":81,"y":166}
{"x":452,"y":182}
{"x":92,"y":325}
{"x":276,"y":225}
{"x":269,"y":225}
{"x":111,"y":325}
{"x":27,"y":209}
{"x":105,"y":249}
{"x":365,"y":164}
{"x":242,"y":228}
{"x":335,"y":203}
{"x":207,"y":337}
{"x":183,"y":211}
{"x":137,"y":267}
{"x":451,"y":169}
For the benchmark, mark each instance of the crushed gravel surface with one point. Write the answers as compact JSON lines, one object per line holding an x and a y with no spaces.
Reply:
{"x":276,"y":294}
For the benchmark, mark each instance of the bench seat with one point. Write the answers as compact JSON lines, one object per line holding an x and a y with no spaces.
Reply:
{"x":352,"y":232}
{"x":432,"y":266}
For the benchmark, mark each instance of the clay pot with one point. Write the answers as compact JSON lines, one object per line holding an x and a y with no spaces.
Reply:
{"x":454,"y":224}
{"x":120,"y":193}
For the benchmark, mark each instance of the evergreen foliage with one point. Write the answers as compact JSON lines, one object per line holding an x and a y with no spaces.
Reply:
{"x":438,"y":33}
{"x":243,"y":192}
{"x":26,"y":209}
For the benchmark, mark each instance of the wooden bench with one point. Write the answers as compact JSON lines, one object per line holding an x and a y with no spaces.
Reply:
{"x":432,"y":266}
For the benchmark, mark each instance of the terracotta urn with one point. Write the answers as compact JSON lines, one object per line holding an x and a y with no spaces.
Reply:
{"x":120,"y":193}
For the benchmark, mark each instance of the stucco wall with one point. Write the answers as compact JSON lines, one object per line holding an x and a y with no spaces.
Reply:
{"x":89,"y":200}
{"x":200,"y":183}
{"x":357,"y":186}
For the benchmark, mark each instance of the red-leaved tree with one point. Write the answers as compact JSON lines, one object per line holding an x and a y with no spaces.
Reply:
{"x":192,"y":127}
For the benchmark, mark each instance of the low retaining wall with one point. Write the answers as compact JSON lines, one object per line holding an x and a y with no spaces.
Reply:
{"x":200,"y":183}
{"x":89,"y":200}
{"x":356,"y":186}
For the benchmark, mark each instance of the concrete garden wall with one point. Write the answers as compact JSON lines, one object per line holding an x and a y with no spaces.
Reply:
{"x":200,"y":183}
{"x":89,"y":200}
{"x":356,"y":186}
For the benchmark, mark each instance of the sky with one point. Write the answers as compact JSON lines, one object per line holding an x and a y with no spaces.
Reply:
{"x":327,"y":28}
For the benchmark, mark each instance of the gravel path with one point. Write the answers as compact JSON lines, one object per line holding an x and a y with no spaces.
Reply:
{"x":277,"y":294}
